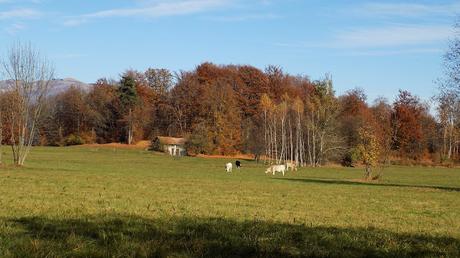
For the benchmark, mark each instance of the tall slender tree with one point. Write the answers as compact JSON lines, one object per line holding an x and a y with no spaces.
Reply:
{"x":1,"y":134}
{"x":128,"y":99}
{"x":449,"y":96}
{"x":29,"y":75}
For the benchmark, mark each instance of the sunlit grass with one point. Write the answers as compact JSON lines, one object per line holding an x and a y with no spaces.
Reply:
{"x":84,"y":201}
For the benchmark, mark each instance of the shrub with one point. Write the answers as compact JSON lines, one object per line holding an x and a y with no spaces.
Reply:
{"x":155,"y":145}
{"x":88,"y":137}
{"x":199,"y":141}
{"x":73,"y":139}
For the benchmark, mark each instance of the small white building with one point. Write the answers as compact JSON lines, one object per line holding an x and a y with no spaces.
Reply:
{"x":172,"y":146}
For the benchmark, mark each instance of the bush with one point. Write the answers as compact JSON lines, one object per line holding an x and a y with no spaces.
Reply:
{"x":155,"y":145}
{"x":88,"y":137}
{"x":73,"y":140}
{"x":350,"y":158}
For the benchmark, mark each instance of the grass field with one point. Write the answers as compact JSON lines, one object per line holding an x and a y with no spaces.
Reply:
{"x":102,"y":202}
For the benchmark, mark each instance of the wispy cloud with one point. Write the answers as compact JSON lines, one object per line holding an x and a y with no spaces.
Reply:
{"x":394,"y":52}
{"x":152,"y":10}
{"x":408,"y":36}
{"x":15,"y":28}
{"x":20,"y":1}
{"x":407,"y":9}
{"x":398,"y":35}
{"x":20,"y":14}
{"x":394,"y":36}
{"x":68,"y":56}
{"x":244,"y":17}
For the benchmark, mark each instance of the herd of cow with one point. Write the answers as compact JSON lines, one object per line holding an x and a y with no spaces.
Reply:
{"x":272,"y":169}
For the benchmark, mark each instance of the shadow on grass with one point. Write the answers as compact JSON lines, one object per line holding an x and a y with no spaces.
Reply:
{"x":123,"y":236}
{"x":349,"y":182}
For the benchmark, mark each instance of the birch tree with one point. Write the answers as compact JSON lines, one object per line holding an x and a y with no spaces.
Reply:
{"x":1,"y":133}
{"x":448,"y":118}
{"x":449,"y":96}
{"x":29,"y":75}
{"x":298,"y":107}
{"x":321,"y":123}
{"x":266,"y":105}
{"x":282,"y":109}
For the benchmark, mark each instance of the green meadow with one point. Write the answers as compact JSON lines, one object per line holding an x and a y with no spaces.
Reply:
{"x":103,"y":202}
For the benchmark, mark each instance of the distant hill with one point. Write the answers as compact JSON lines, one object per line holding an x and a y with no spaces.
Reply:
{"x":60,"y":85}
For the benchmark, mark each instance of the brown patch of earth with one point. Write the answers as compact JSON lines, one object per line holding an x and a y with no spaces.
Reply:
{"x":237,"y":156}
{"x":140,"y":145}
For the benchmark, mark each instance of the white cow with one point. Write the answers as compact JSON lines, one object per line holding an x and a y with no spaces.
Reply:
{"x":291,"y":165}
{"x":276,"y":168}
{"x":228,"y":167}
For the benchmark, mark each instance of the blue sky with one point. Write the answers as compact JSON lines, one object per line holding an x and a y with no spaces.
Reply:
{"x":380,"y":46}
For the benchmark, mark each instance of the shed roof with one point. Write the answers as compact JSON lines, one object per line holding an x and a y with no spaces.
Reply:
{"x":171,"y":140}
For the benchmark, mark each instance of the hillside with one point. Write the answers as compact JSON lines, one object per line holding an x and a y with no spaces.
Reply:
{"x":58,"y":85}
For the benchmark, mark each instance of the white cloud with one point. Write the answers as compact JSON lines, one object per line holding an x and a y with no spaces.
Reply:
{"x":408,"y":9}
{"x":68,"y":56}
{"x":391,"y":52}
{"x":152,"y":10}
{"x":75,"y":22}
{"x":399,"y":35}
{"x":393,"y":36}
{"x":20,"y":13}
{"x":14,"y":28}
{"x":20,"y":1}
{"x":244,"y":17}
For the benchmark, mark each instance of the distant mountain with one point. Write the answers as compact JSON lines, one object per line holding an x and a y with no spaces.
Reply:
{"x":60,"y":85}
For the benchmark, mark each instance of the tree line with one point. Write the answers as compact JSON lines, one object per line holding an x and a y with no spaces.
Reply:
{"x":229,"y":109}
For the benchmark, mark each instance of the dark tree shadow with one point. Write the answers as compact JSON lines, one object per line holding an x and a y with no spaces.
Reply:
{"x":128,"y":236}
{"x":349,"y":182}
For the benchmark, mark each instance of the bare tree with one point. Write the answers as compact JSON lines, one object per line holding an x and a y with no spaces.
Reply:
{"x":29,"y":75}
{"x":321,"y":123}
{"x":298,"y":107}
{"x":1,"y":133}
{"x":282,"y":109}
{"x":449,"y":96}
{"x":267,"y":106}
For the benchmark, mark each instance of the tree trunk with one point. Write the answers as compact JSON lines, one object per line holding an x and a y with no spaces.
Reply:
{"x":283,"y":142}
{"x":302,"y":155}
{"x":309,"y":146}
{"x":130,"y":127}
{"x":297,"y":141}
{"x":368,"y":172}
{"x":1,"y":135}
{"x":275,"y":140}
{"x":270,"y":144}
{"x":266,"y":139}
{"x":444,"y":143}
{"x":451,"y":136}
{"x":291,"y":142}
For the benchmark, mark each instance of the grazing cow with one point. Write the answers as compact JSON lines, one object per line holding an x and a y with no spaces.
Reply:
{"x":276,"y":168}
{"x":291,"y":165}
{"x":238,"y":164}
{"x":228,"y":167}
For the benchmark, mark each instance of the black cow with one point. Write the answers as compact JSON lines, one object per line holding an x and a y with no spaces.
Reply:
{"x":238,"y":164}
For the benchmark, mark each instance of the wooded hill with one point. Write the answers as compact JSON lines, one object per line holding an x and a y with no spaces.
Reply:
{"x":228,"y":109}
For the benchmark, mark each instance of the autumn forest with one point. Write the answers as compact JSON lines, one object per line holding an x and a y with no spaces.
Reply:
{"x":228,"y":109}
